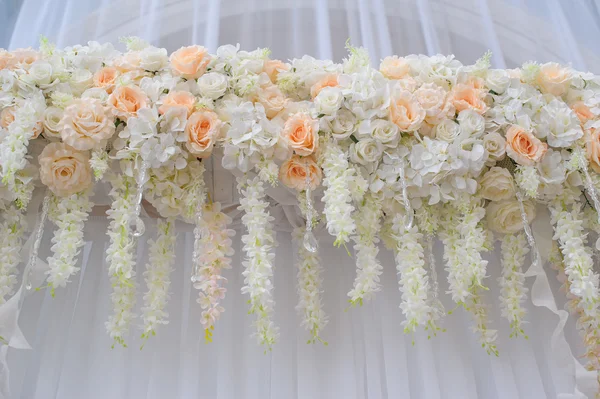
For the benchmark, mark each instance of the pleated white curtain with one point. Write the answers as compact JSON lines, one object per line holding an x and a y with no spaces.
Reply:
{"x":368,"y":355}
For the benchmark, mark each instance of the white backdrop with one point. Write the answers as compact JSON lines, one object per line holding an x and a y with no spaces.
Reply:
{"x":368,"y":355}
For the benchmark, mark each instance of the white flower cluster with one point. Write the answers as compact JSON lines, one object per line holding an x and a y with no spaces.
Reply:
{"x":368,"y":268}
{"x":99,"y":163}
{"x":12,"y":228}
{"x":157,"y":276}
{"x":512,"y":282}
{"x":337,"y":196}
{"x":487,"y":337}
{"x":579,"y":264}
{"x":215,"y":255}
{"x":413,"y":281}
{"x":120,"y":257}
{"x":458,"y":279}
{"x":528,"y":180}
{"x":69,"y":215}
{"x":259,"y":243}
{"x":310,"y":288}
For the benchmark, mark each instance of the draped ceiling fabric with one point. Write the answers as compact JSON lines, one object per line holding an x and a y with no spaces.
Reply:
{"x":368,"y":355}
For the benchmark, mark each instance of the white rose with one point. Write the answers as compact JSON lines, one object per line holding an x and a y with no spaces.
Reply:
{"x":559,"y":124}
{"x":433,"y":100}
{"x":366,"y":151}
{"x":495,"y":145}
{"x":497,"y":80}
{"x":342,"y":126}
{"x":153,"y":59}
{"x":497,"y":184}
{"x":81,"y":79}
{"x":505,"y":216}
{"x":7,"y":80}
{"x":329,"y":100}
{"x":385,"y":132}
{"x":52,"y":117}
{"x":41,"y":72}
{"x":447,"y":131}
{"x":471,"y":122}
{"x":212,"y":85}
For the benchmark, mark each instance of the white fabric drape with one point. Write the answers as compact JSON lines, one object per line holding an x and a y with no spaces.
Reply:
{"x":368,"y":355}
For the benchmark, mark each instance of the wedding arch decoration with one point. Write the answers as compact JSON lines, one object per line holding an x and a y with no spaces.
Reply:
{"x":418,"y":149}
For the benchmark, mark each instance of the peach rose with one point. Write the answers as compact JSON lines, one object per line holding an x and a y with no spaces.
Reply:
{"x":128,"y":62}
{"x":394,"y":67}
{"x":582,"y":111}
{"x":592,"y":145}
{"x":272,"y":99}
{"x":23,"y":57}
{"x":105,"y":78}
{"x":86,"y":124}
{"x":273,"y":67}
{"x":190,"y":62}
{"x":7,"y":116}
{"x":201,"y":133}
{"x":6,"y":59}
{"x":293,"y":172}
{"x":330,"y":80}
{"x":64,"y":170}
{"x":301,"y":133}
{"x":178,"y":99}
{"x":406,"y":112}
{"x":523,"y":146}
{"x":126,"y":101}
{"x":465,"y":96}
{"x":554,"y":79}
{"x":433,"y":100}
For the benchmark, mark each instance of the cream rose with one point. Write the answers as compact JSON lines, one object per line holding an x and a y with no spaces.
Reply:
{"x":80,"y":80}
{"x":394,"y":67}
{"x":153,"y":59}
{"x":465,"y":96}
{"x":523,"y":146}
{"x":505,"y":216}
{"x":201,"y":133}
{"x":329,"y":100}
{"x":495,"y":145}
{"x":366,"y":151}
{"x":272,"y":99}
{"x":385,"y":132}
{"x":126,"y":101}
{"x":212,"y":85}
{"x":86,"y":124}
{"x":582,"y":111}
{"x":300,"y":132}
{"x":273,"y":67}
{"x":292,"y":172}
{"x":51,"y":122}
{"x":406,"y":112}
{"x":554,"y":79}
{"x":342,"y":126}
{"x":41,"y":72}
{"x":105,"y":78}
{"x":183,"y":99}
{"x":433,"y":100}
{"x":497,"y":80}
{"x":190,"y":62}
{"x":128,"y":62}
{"x":447,"y":131}
{"x":64,"y":170}
{"x":592,"y":145}
{"x":471,"y":122}
{"x":497,"y":184}
{"x":330,"y":80}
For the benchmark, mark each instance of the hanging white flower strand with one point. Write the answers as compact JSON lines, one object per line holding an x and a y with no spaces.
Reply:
{"x":569,"y":232}
{"x":12,"y":228}
{"x":512,"y":282}
{"x":69,"y":214}
{"x":368,"y":268}
{"x":413,"y":281}
{"x":215,"y":256}
{"x":337,"y":196}
{"x":259,"y":244}
{"x":120,"y":257}
{"x":310,"y":287}
{"x":158,"y":277}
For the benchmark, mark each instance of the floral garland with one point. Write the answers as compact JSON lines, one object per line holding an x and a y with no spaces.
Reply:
{"x":157,"y":277}
{"x":69,"y":215}
{"x":310,"y":285}
{"x":121,"y":258}
{"x":12,"y":229}
{"x":215,"y":255}
{"x":512,"y":282}
{"x":259,"y":243}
